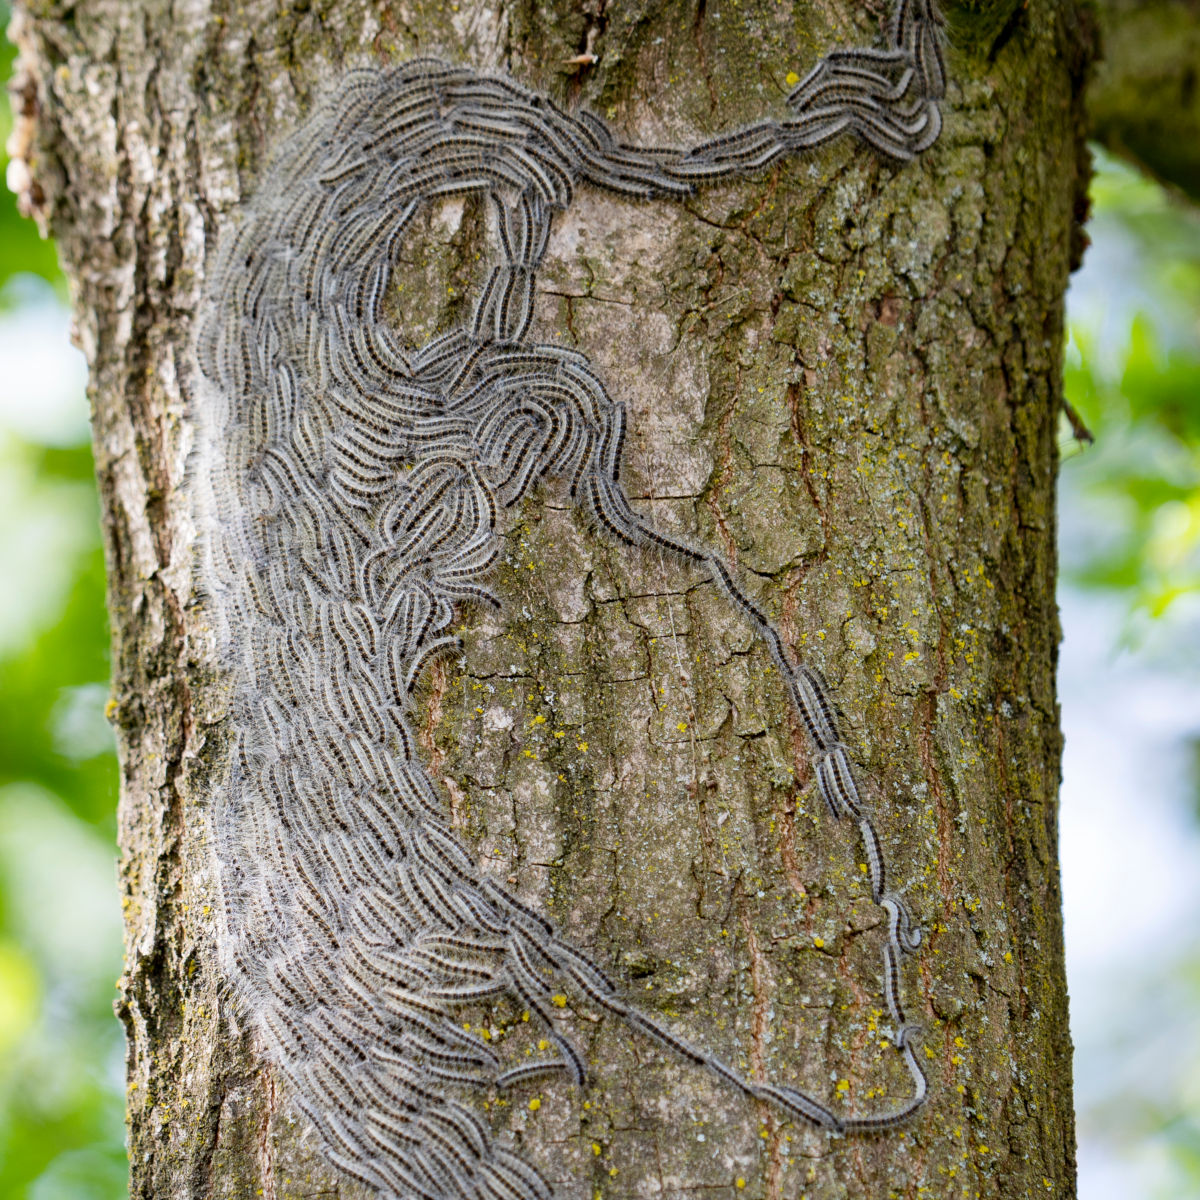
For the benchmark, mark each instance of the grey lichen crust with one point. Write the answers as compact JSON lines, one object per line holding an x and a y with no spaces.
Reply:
{"x":348,"y":491}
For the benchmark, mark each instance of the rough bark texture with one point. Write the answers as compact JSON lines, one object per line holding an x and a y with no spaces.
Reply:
{"x":1145,"y":97}
{"x":844,"y":374}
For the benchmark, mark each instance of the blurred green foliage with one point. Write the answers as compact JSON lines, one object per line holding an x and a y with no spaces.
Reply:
{"x":1130,"y":528}
{"x":61,"y":1087}
{"x":1132,"y":521}
{"x":22,"y":250}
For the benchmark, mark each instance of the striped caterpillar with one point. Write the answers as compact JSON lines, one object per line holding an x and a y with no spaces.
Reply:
{"x":348,"y":494}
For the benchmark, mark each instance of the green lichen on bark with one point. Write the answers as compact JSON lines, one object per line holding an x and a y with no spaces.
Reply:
{"x":844,"y":375}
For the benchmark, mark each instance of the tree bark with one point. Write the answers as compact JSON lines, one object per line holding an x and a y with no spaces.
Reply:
{"x":844,"y":374}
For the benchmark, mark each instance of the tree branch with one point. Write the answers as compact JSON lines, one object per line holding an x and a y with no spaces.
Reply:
{"x":1144,"y":99}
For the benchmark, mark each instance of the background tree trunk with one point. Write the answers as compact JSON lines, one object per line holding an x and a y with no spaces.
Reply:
{"x":845,"y":375}
{"x":1144,"y":100}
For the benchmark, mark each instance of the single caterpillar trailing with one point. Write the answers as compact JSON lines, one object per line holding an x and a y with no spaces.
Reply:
{"x":348,"y":494}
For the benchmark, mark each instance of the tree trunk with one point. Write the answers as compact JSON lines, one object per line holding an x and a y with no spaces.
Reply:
{"x":844,"y":375}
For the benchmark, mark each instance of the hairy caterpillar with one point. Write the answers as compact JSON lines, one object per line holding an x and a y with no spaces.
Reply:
{"x":349,"y":492}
